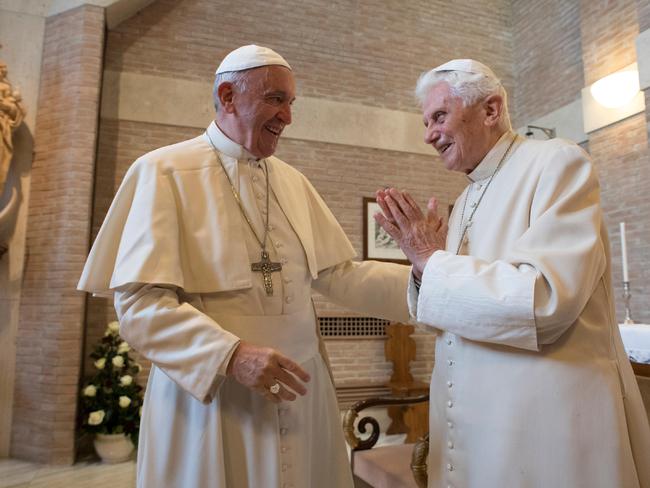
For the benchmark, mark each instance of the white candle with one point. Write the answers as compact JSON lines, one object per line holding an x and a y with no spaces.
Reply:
{"x":624,"y":252}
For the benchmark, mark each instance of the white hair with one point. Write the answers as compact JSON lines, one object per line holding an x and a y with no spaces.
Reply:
{"x":238,"y":78}
{"x":469,"y":87}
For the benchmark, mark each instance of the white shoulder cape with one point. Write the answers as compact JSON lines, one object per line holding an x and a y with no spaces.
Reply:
{"x":174,"y":221}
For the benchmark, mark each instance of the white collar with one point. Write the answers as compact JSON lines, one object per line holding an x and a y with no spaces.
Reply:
{"x":227,"y":146}
{"x":489,"y":163}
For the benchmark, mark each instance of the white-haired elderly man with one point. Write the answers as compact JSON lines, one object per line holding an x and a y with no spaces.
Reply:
{"x":212,"y":247}
{"x":531,"y":386}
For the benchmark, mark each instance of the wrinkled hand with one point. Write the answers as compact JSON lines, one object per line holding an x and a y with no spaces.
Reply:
{"x":418,"y":235}
{"x":258,"y":368}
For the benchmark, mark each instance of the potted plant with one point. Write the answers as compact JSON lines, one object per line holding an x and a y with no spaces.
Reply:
{"x":111,"y":401}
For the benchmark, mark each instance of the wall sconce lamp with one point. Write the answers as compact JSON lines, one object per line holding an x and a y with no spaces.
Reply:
{"x":617,"y":89}
{"x":612,"y":98}
{"x":549,"y":133}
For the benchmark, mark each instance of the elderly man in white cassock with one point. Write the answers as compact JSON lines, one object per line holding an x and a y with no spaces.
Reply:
{"x":211,"y":249}
{"x":531,"y":386}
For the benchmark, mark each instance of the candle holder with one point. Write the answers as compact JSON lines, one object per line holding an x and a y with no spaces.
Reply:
{"x":626,"y":298}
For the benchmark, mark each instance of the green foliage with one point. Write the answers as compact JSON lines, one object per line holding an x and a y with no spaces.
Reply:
{"x":111,"y":400}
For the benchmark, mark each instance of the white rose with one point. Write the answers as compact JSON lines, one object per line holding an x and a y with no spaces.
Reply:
{"x":125,"y":401}
{"x":90,"y":391}
{"x":96,"y":417}
{"x":137,"y":365}
{"x":113,"y":327}
{"x":118,"y":362}
{"x":126,"y":380}
{"x":100,"y":363}
{"x":123,"y":347}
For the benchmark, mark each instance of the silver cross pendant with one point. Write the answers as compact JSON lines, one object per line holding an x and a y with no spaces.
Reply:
{"x":266,"y":267}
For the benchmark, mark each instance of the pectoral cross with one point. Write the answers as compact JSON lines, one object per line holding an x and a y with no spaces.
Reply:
{"x":266,"y":267}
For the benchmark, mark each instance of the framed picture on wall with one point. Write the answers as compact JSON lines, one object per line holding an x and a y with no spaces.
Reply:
{"x":377,"y":244}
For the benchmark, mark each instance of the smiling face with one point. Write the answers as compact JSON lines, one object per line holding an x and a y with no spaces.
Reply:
{"x":462,"y":135}
{"x":255,"y":117}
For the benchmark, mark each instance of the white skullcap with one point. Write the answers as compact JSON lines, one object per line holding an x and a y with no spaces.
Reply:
{"x":467,"y":66}
{"x":251,"y":56}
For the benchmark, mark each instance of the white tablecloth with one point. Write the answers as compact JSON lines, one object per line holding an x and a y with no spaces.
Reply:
{"x":636,"y":339}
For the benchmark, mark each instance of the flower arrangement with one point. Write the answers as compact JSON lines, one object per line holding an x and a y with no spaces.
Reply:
{"x":111,"y":401}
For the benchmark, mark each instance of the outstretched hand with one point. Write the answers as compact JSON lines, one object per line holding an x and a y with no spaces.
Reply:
{"x":259,"y":368}
{"x":418,"y":235}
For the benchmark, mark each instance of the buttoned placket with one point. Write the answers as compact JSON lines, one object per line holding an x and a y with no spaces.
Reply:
{"x":286,"y":466}
{"x":282,"y":284}
{"x":450,"y":465}
{"x":275,"y":246}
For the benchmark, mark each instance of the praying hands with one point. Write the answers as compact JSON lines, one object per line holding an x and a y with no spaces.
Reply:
{"x":418,"y":235}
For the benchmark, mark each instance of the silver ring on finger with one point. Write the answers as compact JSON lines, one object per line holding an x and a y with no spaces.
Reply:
{"x":275,"y":388}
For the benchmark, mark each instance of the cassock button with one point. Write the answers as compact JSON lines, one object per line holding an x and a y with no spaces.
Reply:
{"x":450,"y":404}
{"x":450,"y":445}
{"x":278,"y":244}
{"x":271,"y":227}
{"x":450,"y":362}
{"x":254,"y":178}
{"x":450,"y":467}
{"x":288,"y":299}
{"x":259,"y":196}
{"x":284,"y":260}
{"x":450,"y":384}
{"x":283,"y":431}
{"x":287,"y":280}
{"x":283,"y":449}
{"x":450,"y":425}
{"x":449,"y":342}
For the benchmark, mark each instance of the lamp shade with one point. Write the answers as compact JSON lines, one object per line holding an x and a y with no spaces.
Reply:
{"x":617,"y":89}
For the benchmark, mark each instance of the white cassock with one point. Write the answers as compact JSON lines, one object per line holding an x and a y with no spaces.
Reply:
{"x":177,"y":252}
{"x":531,"y":386}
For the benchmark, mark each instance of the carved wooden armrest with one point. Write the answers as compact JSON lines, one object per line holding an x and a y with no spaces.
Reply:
{"x":419,"y":461}
{"x":356,"y":443}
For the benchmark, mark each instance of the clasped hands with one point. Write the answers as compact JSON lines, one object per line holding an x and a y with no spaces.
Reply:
{"x":260,"y":368}
{"x":417,"y":234}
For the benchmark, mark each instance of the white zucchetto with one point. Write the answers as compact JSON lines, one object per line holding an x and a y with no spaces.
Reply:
{"x":467,"y":66}
{"x":251,"y":56}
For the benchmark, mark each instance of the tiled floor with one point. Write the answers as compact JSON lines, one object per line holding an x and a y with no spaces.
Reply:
{"x":20,"y":474}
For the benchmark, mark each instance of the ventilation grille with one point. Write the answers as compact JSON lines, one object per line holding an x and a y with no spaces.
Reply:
{"x":333,"y":327}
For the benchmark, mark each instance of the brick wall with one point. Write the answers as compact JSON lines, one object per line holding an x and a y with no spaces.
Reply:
{"x":369,"y":51}
{"x":609,"y":29}
{"x":620,"y":151}
{"x":51,"y":321}
{"x":361,"y":361}
{"x":643,"y":14}
{"x":547,"y":57}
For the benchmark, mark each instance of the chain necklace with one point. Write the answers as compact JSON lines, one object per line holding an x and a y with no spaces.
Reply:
{"x":264,"y":265}
{"x":462,"y":230}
